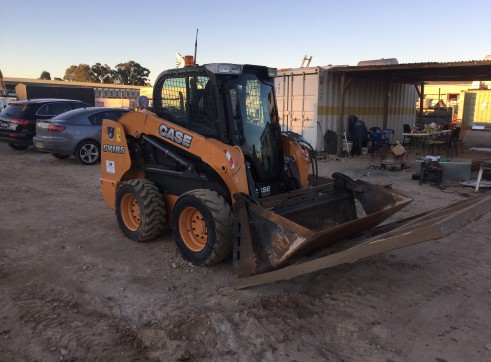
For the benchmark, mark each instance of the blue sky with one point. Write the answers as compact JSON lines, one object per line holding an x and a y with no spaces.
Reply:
{"x":52,"y":35}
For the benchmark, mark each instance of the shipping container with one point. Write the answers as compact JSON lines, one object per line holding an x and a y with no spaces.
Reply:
{"x":452,"y":94}
{"x":477,"y":107}
{"x":309,"y":100}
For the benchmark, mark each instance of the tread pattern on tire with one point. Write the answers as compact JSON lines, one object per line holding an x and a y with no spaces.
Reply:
{"x":153,"y":213}
{"x":222,"y":216}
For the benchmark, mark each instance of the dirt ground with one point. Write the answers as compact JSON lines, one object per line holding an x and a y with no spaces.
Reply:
{"x":73,"y":288}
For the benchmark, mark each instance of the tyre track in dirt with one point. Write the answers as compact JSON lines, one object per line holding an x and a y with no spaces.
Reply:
{"x":56,"y":323}
{"x":73,"y":288}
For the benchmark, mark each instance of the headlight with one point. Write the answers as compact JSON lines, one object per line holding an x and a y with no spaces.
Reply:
{"x":224,"y":68}
{"x":272,"y":72}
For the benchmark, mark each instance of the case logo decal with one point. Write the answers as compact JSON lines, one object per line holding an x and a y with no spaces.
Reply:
{"x":110,"y":132}
{"x":178,"y":137}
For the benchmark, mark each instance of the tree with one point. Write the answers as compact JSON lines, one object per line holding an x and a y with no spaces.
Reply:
{"x":56,"y":78}
{"x":80,"y":73}
{"x":101,"y":73}
{"x":45,"y":75}
{"x":130,"y":73}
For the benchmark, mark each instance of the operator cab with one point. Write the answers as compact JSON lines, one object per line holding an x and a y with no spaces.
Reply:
{"x":234,"y":104}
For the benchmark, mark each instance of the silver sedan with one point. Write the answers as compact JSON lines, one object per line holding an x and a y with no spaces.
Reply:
{"x":76,"y":132}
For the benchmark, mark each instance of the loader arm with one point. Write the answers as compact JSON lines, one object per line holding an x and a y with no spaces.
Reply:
{"x":117,"y":163}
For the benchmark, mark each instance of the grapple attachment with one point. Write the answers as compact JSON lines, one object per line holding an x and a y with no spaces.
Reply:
{"x":277,"y":230}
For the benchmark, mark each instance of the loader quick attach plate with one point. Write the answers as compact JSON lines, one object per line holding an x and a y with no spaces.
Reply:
{"x":277,"y":230}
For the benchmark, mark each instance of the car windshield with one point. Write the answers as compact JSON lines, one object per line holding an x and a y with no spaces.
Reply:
{"x":16,"y":110}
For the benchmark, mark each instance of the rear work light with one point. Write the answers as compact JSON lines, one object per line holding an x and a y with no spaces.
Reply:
{"x":22,"y":122}
{"x":56,"y":127}
{"x":224,"y":68}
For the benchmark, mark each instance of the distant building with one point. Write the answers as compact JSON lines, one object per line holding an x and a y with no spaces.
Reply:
{"x":468,"y":100}
{"x":109,"y":95}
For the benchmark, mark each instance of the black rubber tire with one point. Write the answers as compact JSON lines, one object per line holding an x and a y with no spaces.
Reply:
{"x":17,"y":147}
{"x":88,"y":152}
{"x":60,"y":157}
{"x":217,"y":216}
{"x":151,"y":213}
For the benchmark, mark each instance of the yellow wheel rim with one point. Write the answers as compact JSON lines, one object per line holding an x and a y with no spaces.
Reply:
{"x":193,"y":229}
{"x":130,"y":212}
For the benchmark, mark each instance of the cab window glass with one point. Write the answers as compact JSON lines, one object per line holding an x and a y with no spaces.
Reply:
{"x":174,"y":96}
{"x":201,"y":108}
{"x":189,"y":101}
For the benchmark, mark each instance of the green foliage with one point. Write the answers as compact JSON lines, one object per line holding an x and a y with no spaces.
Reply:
{"x":129,"y":73}
{"x":101,"y":74}
{"x":80,"y":73}
{"x":45,"y":75}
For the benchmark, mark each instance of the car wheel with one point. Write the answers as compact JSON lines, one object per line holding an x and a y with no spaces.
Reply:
{"x":88,"y":152}
{"x":140,"y":210}
{"x":61,"y":157}
{"x":17,"y":147}
{"x":202,"y":227}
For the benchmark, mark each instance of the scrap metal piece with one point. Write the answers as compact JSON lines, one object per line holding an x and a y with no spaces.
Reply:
{"x":430,"y":226}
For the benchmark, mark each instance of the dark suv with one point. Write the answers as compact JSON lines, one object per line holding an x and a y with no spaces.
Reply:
{"x":18,"y":120}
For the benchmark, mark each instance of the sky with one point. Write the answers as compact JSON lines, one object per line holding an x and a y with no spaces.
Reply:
{"x":52,"y":35}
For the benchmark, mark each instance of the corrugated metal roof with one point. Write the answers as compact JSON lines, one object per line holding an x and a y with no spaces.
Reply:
{"x":419,"y":72}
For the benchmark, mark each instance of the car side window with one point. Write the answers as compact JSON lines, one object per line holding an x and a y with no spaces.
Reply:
{"x":80,"y":105}
{"x":113,"y":115}
{"x":59,"y":108}
{"x":96,"y":119}
{"x":45,"y":110}
{"x":54,"y":109}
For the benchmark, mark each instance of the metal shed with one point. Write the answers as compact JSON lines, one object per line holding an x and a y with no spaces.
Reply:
{"x":382,"y":95}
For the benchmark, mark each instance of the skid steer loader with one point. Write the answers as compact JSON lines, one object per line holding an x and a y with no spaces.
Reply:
{"x":211,"y":162}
